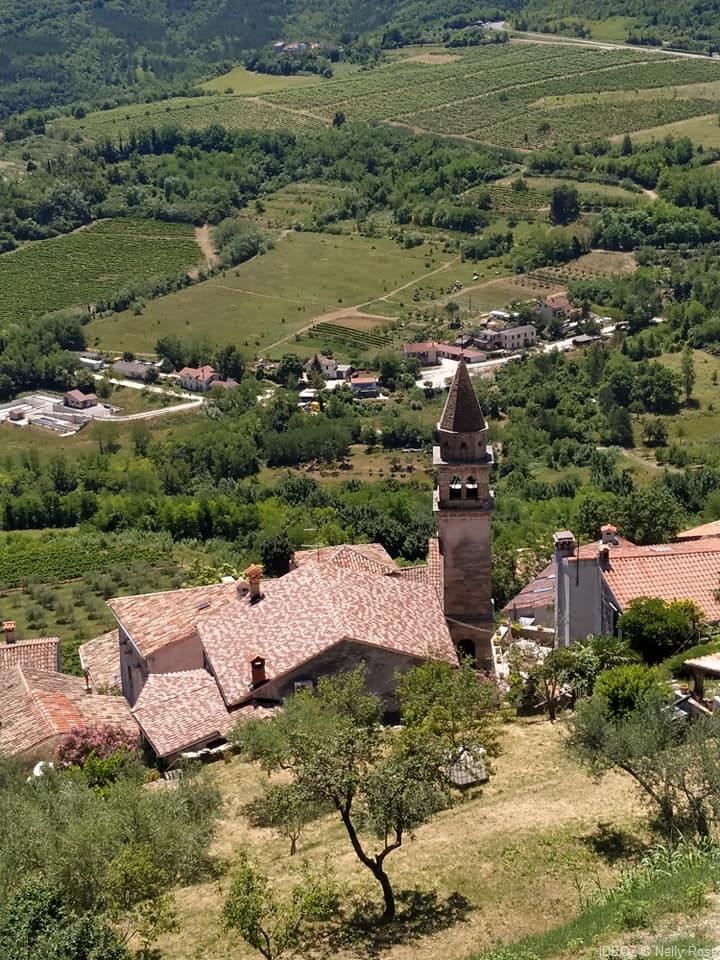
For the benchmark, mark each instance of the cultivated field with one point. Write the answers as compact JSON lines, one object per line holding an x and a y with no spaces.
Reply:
{"x":91,"y":263}
{"x":508,"y":857}
{"x":505,"y":93}
{"x":273,"y":297}
{"x":522,"y":95}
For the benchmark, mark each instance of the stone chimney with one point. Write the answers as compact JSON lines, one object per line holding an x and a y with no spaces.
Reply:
{"x":608,"y":534}
{"x":564,"y":542}
{"x":253,"y":575}
{"x":257,"y":668}
{"x":9,"y":631}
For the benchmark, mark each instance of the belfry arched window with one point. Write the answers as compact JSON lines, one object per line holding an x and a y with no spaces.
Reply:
{"x":471,"y":488}
{"x":455,"y":488}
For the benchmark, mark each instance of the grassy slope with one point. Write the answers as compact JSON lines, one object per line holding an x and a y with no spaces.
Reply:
{"x":273,"y":296}
{"x":514,"y":852}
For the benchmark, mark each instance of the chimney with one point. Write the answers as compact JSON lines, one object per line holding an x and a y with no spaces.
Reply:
{"x":564,"y":542}
{"x":608,"y":533}
{"x":88,"y":685}
{"x":253,"y":574}
{"x":9,"y":631}
{"x":603,"y":554}
{"x":257,"y":667}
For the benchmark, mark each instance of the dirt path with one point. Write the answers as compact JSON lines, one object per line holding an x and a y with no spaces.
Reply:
{"x":636,"y":458}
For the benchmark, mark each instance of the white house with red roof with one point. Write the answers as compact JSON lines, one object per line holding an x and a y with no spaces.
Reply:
{"x":198,"y":379}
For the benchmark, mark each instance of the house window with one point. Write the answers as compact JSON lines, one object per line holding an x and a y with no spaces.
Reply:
{"x":471,"y":488}
{"x":455,"y":489}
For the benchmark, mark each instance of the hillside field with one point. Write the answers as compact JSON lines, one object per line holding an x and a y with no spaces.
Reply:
{"x":91,"y":263}
{"x":522,"y":95}
{"x":272,"y":297}
{"x":509,"y":857}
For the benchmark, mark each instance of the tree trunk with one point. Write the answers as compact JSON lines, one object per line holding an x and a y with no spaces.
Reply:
{"x":388,"y":894}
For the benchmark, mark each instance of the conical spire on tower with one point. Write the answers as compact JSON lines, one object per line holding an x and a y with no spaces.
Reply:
{"x":462,"y":412}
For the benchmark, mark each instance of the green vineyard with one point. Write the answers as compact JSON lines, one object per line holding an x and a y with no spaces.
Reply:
{"x":85,"y":266}
{"x":365,"y":339}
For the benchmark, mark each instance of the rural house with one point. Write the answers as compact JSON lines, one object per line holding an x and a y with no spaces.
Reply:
{"x":38,"y":707}
{"x":326,"y":366}
{"x":198,"y":379}
{"x":585,"y":589}
{"x":42,"y":653}
{"x":77,"y":400}
{"x":364,"y":385}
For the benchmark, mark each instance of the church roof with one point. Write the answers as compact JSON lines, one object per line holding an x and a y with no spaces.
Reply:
{"x":462,"y":413}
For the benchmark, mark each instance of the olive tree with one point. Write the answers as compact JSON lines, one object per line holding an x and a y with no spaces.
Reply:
{"x":380,"y":783}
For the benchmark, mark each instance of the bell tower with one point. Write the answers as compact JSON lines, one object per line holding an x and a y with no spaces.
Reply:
{"x":463,"y":505}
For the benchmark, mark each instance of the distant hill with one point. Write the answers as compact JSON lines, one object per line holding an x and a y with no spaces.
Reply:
{"x":57,"y":52}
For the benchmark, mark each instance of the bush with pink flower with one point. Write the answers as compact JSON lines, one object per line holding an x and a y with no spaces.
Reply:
{"x":83,"y":742}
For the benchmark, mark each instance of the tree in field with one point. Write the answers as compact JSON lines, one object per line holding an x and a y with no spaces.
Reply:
{"x":382,"y":784}
{"x":654,"y":432}
{"x":285,"y":809}
{"x":675,"y":763}
{"x":564,"y":205}
{"x":455,"y":706}
{"x":271,"y":925}
{"x":687,"y":372}
{"x":656,"y":629}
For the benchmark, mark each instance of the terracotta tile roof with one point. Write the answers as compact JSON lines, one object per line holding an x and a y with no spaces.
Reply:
{"x":317,"y":607}
{"x":177,"y":711}
{"x":101,"y":658}
{"x":200,"y":373}
{"x":462,"y":413}
{"x":42,"y":654}
{"x":156,"y":620}
{"x":540,"y":592}
{"x":417,"y":574}
{"x":672,"y":571}
{"x":711,"y":529}
{"x":37,"y":706}
{"x":371,"y":557}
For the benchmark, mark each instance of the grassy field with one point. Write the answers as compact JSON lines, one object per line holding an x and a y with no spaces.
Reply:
{"x":512,"y":855}
{"x":274,"y":296}
{"x":247,"y":83}
{"x":703,"y":130}
{"x":84,"y":266}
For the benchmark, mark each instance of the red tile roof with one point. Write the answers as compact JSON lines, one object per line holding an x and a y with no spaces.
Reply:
{"x":363,"y":557}
{"x":37,"y":706}
{"x":199,"y":373}
{"x":317,"y":607}
{"x":156,"y":620}
{"x":672,"y":571}
{"x":42,"y":654}
{"x":711,"y":529}
{"x":176,"y":711}
{"x":101,"y":658}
